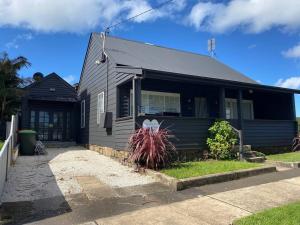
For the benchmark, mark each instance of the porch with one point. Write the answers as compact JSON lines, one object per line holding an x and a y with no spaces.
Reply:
{"x":189,"y":107}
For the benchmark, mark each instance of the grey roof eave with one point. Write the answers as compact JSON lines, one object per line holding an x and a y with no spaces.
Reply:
{"x":173,"y":76}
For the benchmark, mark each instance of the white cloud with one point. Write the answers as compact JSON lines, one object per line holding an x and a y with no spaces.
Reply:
{"x":252,"y":16}
{"x":77,"y":16}
{"x":259,"y":81}
{"x":293,"y":52}
{"x":15,"y":43}
{"x":291,"y":82}
{"x":70,"y":79}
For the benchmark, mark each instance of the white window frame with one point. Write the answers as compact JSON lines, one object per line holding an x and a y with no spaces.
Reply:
{"x":158,"y":93}
{"x":100,"y":109}
{"x":82,"y":114}
{"x":231,"y":101}
{"x":234,"y":101}
{"x":252,"y":110}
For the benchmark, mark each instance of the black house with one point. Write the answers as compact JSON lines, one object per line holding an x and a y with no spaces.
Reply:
{"x":49,"y":107}
{"x":185,"y":91}
{"x":123,"y":83}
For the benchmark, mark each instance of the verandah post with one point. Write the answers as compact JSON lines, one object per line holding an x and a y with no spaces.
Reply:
{"x":240,"y":121}
{"x":222,"y":113}
{"x":136,"y":97}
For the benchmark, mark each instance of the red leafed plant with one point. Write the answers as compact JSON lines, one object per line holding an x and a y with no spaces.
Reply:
{"x":151,"y":148}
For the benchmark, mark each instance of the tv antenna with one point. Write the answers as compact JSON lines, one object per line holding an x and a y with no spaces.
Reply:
{"x":211,"y":47}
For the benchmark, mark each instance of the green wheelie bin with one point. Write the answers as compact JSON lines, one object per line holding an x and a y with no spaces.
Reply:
{"x":27,"y":141}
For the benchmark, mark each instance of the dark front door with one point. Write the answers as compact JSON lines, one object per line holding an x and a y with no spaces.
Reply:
{"x":51,"y":125}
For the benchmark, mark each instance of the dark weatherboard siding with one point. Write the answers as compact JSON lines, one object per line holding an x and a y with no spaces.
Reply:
{"x":52,"y":87}
{"x":124,"y":129}
{"x":189,"y":133}
{"x":95,"y":79}
{"x":269,"y":132}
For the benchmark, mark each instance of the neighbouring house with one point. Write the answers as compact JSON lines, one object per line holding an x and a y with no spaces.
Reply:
{"x":124,"y":82}
{"x":49,"y":107}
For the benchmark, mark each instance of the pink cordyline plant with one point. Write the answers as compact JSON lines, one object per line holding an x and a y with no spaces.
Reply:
{"x":151,"y":148}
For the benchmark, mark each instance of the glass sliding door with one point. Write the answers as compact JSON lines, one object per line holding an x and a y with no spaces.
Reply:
{"x":43,"y":125}
{"x":58,"y":125}
{"x":51,"y":125}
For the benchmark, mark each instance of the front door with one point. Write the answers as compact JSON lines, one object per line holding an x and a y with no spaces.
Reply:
{"x":51,"y":125}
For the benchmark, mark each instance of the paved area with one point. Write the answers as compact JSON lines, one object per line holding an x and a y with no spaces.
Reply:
{"x":216,"y":209}
{"x":59,"y":174}
{"x":98,"y":200}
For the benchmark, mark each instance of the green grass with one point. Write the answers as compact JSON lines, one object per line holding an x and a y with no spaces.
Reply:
{"x":286,"y":157}
{"x":284,"y":215}
{"x":194,"y":169}
{"x":1,"y":144}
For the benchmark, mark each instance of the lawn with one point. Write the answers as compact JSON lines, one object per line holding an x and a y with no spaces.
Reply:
{"x":286,"y":157}
{"x":1,"y":144}
{"x":194,"y":169}
{"x":284,"y":215}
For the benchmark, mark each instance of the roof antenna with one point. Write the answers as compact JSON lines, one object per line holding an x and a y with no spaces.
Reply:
{"x":211,"y":47}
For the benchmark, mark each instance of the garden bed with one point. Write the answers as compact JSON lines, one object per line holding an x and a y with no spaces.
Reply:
{"x":291,"y":159}
{"x":193,"y":174}
{"x":288,"y":214}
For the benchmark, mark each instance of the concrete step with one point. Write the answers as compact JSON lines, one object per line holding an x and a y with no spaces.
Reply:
{"x":256,"y":159}
{"x":59,"y":144}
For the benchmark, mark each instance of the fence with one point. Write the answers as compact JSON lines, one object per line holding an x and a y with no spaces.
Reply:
{"x":7,"y":151}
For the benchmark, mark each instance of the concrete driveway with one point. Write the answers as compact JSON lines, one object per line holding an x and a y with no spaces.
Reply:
{"x":65,"y":172}
{"x":66,"y":178}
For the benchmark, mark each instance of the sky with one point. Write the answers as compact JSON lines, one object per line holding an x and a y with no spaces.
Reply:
{"x":259,"y":38}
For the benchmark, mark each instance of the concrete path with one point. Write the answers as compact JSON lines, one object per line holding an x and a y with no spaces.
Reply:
{"x":215,"y":209}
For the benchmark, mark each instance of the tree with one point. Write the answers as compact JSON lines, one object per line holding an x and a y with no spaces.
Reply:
{"x":37,"y":77}
{"x":10,"y":82}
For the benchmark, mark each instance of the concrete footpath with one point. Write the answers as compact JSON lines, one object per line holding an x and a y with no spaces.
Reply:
{"x":154,"y":203}
{"x":214,"y":209}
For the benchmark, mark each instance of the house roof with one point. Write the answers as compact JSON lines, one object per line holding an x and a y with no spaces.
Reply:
{"x":152,"y":57}
{"x":51,"y":88}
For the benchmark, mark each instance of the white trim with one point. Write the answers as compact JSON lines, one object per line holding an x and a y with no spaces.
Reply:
{"x":156,"y":93}
{"x":99,"y":108}
{"x":82,"y":114}
{"x":252,"y":110}
{"x":234,"y":101}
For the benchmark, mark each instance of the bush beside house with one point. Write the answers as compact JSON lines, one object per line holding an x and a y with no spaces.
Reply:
{"x":221,"y":141}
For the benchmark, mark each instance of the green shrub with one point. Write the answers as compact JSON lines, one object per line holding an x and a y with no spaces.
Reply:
{"x":221,"y":140}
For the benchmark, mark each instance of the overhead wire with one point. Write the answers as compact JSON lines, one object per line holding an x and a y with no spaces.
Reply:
{"x":107,"y":29}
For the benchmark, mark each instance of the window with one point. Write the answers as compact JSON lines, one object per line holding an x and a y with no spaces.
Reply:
{"x":231,"y":109}
{"x":43,"y":123}
{"x":100,"y":106}
{"x":82,"y":114}
{"x":158,"y":102}
{"x":247,"y":106}
{"x":201,"y":107}
{"x":32,"y":120}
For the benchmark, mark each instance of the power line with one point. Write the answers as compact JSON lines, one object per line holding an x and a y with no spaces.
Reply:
{"x":140,"y":14}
